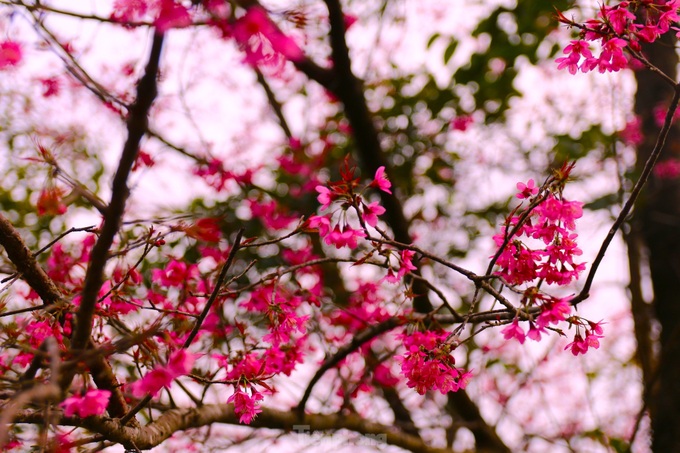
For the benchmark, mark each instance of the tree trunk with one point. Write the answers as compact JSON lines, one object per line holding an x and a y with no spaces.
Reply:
{"x":657,"y":219}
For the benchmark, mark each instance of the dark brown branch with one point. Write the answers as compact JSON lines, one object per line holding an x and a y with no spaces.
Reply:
{"x":26,"y":264}
{"x":137,"y":125}
{"x":216,"y":290}
{"x":274,"y":103}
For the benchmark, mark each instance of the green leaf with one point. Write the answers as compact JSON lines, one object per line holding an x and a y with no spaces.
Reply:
{"x":432,"y":39}
{"x":450,"y":49}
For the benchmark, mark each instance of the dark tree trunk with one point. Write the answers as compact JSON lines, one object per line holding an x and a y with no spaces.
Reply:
{"x":657,"y":220}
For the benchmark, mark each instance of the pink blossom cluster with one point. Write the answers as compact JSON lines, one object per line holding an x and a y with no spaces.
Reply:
{"x":590,"y":339}
{"x":405,"y":266}
{"x":553,"y":311}
{"x":544,"y":246}
{"x":280,"y":311}
{"x":262,"y":41}
{"x":93,"y":402}
{"x":342,"y":234}
{"x":216,"y":176}
{"x":617,"y":27}
{"x":667,"y":169}
{"x":246,"y":403}
{"x":427,"y":363}
{"x":167,"y":13}
{"x":179,"y":364}
{"x":365,"y":307}
{"x":248,"y":370}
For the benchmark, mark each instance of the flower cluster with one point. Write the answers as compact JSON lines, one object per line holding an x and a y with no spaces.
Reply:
{"x":179,"y":364}
{"x":550,"y":256}
{"x":427,"y":363}
{"x":93,"y":402}
{"x":616,"y":28}
{"x":553,"y":311}
{"x":342,"y":234}
{"x":262,"y":41}
{"x":590,"y":339}
{"x":246,"y":403}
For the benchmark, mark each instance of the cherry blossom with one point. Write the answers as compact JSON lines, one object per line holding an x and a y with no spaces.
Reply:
{"x":93,"y":402}
{"x":527,"y":190}
{"x":246,"y":405}
{"x":262,"y":40}
{"x":513,"y":330}
{"x":11,"y":54}
{"x":179,"y":364}
{"x":380,"y":181}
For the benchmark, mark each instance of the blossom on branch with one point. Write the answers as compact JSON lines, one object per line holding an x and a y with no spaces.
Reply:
{"x":179,"y":364}
{"x":262,"y":41}
{"x":93,"y":402}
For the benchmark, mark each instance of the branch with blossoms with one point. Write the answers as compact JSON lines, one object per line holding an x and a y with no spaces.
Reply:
{"x":626,"y":25}
{"x":258,"y":327}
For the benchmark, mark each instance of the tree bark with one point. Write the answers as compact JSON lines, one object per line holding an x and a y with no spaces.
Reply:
{"x":657,"y":218}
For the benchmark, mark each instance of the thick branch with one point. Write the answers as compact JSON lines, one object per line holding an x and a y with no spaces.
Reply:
{"x":137,"y":126}
{"x":26,"y":264}
{"x":181,"y":419}
{"x":41,"y":283}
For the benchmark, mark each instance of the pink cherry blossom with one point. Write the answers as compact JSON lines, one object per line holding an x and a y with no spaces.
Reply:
{"x":428,"y":365}
{"x":581,"y":345}
{"x":380,"y":181}
{"x":371,"y":213}
{"x":11,"y":54}
{"x":527,"y":190}
{"x":181,"y":362}
{"x":94,"y":402}
{"x":177,"y":273}
{"x":553,"y":312}
{"x":262,"y":40}
{"x":535,"y":332}
{"x":344,"y":237}
{"x":406,"y":264}
{"x":129,"y":10}
{"x":322,"y":223}
{"x":172,"y":15}
{"x":513,"y":330}
{"x":152,"y":382}
{"x":271,"y":214}
{"x":618,"y":16}
{"x":611,"y":58}
{"x":575,"y":50}
{"x":245,"y":405}
{"x":325,"y":196}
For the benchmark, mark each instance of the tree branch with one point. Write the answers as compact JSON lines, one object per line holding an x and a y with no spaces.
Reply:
{"x":26,"y":264}
{"x":137,"y":125}
{"x":174,"y":420}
